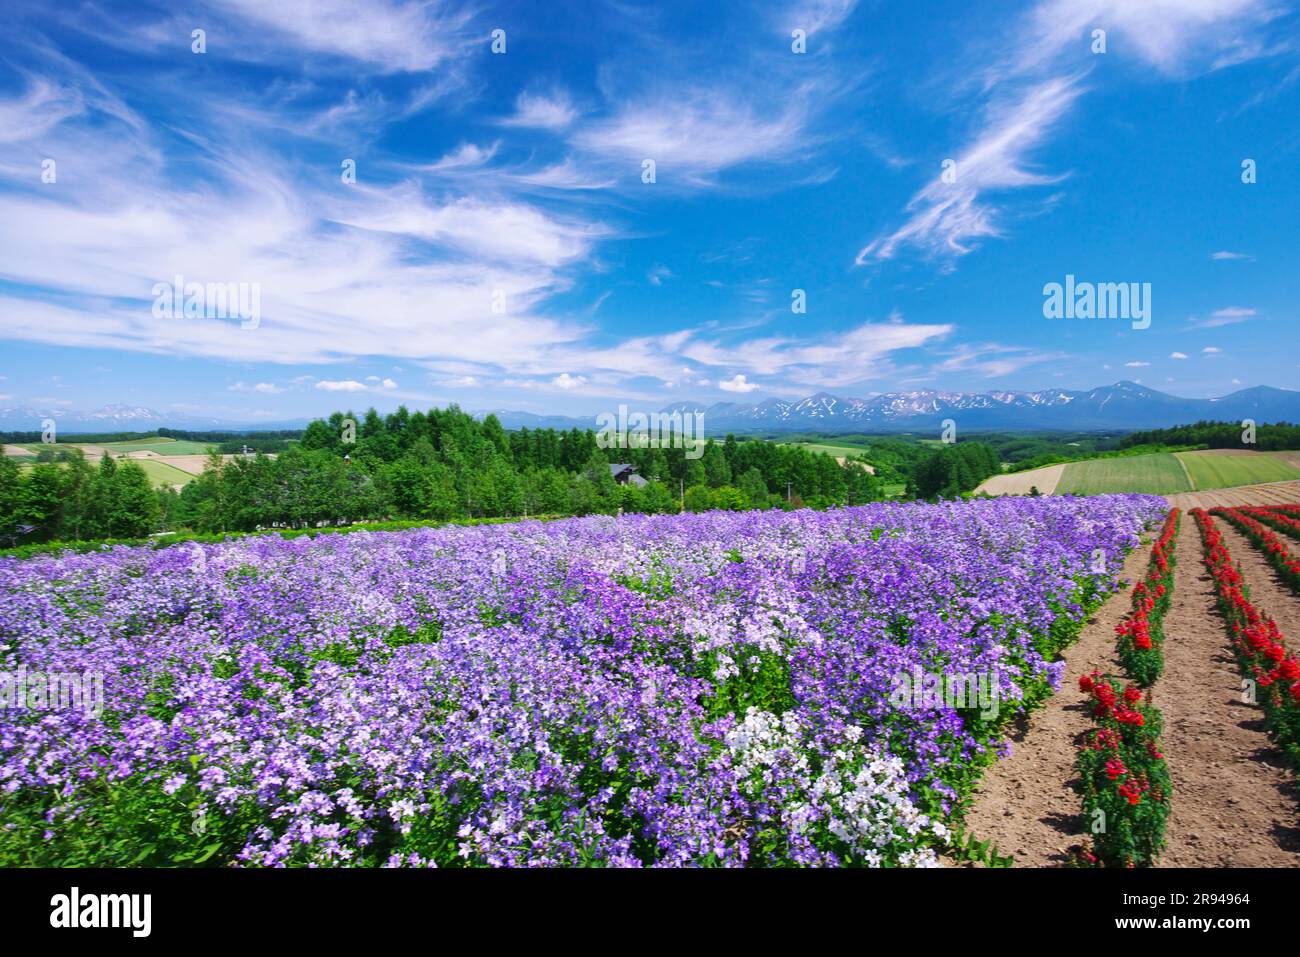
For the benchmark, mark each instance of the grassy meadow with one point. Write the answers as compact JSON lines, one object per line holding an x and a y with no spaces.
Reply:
{"x":1158,"y":474}
{"x":1228,"y":470}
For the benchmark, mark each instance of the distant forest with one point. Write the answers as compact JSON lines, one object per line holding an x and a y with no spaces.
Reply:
{"x":1220,"y":435}
{"x":447,"y":465}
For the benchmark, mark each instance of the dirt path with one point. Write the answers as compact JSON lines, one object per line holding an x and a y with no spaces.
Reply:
{"x":1234,"y":804}
{"x":1025,"y":804}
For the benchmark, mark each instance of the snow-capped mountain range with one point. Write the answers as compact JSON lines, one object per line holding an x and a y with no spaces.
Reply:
{"x":123,"y":418}
{"x":1118,"y":407}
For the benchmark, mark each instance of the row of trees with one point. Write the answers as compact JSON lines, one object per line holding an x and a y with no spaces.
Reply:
{"x":445,"y":464}
{"x":1219,"y":435}
{"x":73,"y":499}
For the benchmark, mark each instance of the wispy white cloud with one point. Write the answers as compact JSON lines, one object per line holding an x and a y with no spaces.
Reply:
{"x":1034,"y":85}
{"x":1229,"y":316}
{"x":1176,"y":37}
{"x":387,"y":35}
{"x":658,"y":274}
{"x":992,"y":360}
{"x":815,"y":16}
{"x":950,"y":217}
{"x":541,"y":111}
{"x":41,"y":107}
{"x":692,"y":134}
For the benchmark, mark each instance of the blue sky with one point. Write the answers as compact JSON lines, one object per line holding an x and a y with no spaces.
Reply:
{"x":500,"y":247}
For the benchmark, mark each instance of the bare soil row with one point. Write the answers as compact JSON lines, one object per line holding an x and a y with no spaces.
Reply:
{"x":1234,"y":804}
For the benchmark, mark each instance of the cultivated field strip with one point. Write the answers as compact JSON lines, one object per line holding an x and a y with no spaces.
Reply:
{"x":1027,"y":803}
{"x":1233,"y":802}
{"x":1274,"y":493}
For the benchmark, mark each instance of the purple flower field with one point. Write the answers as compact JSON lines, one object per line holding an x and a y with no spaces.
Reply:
{"x":691,"y":690}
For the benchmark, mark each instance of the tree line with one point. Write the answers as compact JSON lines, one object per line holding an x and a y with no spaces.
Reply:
{"x":71,"y":499}
{"x":1219,"y":435}
{"x":445,"y":464}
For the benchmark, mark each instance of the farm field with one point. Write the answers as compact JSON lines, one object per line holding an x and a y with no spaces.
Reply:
{"x":1223,"y":468}
{"x":841,"y":452}
{"x":1044,"y":479}
{"x":160,"y":446}
{"x":1157,"y":474}
{"x":733,"y":689}
{"x":160,"y":473}
{"x":834,"y":449}
{"x":177,"y":471}
{"x":167,"y":462}
{"x":1188,"y":776}
{"x":1278,"y":493}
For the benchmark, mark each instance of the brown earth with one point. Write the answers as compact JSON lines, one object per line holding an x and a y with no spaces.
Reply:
{"x":1025,"y":803}
{"x":1019,"y":483}
{"x":1272,"y":493}
{"x":193,"y":464}
{"x":1234,"y":804}
{"x":841,"y":459}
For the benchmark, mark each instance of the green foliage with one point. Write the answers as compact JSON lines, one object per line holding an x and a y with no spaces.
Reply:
{"x":1218,"y":435}
{"x":756,"y":679}
{"x":954,"y":468}
{"x":1124,"y":779}
{"x":73,"y":500}
{"x":441,"y":465}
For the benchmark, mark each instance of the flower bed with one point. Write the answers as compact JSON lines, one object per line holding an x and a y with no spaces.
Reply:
{"x":695,"y":690}
{"x":1126,"y":787}
{"x":1281,"y":521}
{"x":1257,"y":643}
{"x":1279,"y":555}
{"x":1141,"y":634}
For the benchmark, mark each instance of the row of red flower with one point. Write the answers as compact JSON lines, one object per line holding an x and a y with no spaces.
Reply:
{"x":1275,"y":519}
{"x":1125,"y":780}
{"x":1268,"y":541}
{"x":1257,"y":642}
{"x":1141,"y":634}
